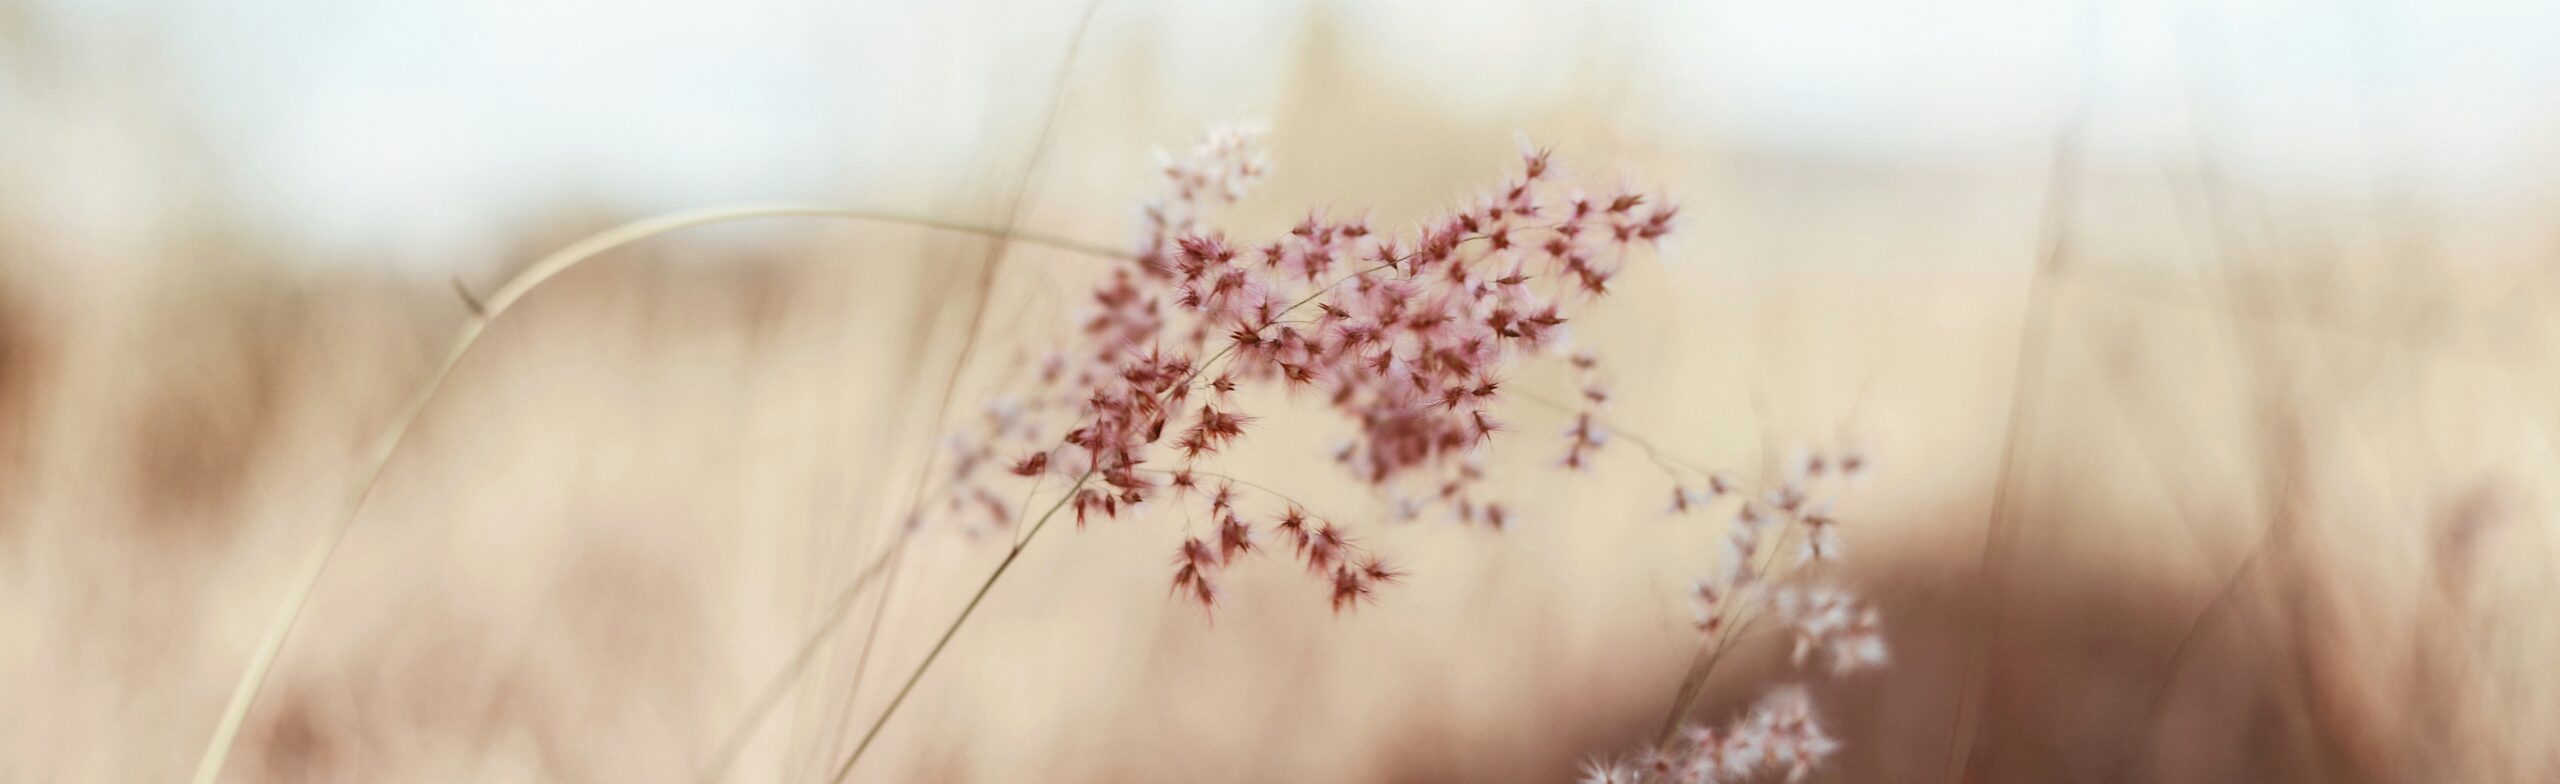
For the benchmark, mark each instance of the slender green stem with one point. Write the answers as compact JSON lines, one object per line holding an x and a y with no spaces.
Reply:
{"x":954,"y":629}
{"x":289,"y":611}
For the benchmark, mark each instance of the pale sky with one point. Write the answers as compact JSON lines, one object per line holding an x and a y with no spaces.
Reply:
{"x":391,"y":123}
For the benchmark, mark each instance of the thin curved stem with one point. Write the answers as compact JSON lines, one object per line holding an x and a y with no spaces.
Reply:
{"x":1999,"y":534}
{"x":994,"y":263}
{"x":289,"y":612}
{"x":917,"y":675}
{"x":1670,"y":462}
{"x":954,"y":629}
{"x":2155,"y":709}
{"x":775,"y":687}
{"x":1224,"y":477}
{"x":1694,"y":684}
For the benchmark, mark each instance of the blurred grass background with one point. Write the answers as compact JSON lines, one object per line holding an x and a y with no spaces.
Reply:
{"x":2279,"y":511}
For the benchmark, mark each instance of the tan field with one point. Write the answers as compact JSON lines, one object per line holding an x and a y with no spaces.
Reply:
{"x":2185,"y":469}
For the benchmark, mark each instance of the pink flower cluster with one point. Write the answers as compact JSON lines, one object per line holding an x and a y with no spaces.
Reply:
{"x":1326,"y":549}
{"x":1408,"y":336}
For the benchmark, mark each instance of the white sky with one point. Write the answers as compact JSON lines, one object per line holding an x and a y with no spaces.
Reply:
{"x":400,"y":123}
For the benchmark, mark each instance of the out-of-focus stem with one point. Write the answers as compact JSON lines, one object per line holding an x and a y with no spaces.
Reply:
{"x":954,"y":629}
{"x":484,"y":312}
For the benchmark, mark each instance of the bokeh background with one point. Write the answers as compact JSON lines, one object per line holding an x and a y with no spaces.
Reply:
{"x":2237,"y":318}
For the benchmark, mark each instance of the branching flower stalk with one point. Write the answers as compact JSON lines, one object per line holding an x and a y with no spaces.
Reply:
{"x":1775,"y":548}
{"x":1412,"y":352}
{"x":1411,"y":347}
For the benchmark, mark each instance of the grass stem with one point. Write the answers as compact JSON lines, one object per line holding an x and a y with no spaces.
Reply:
{"x":948,"y":632}
{"x":297,"y":597}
